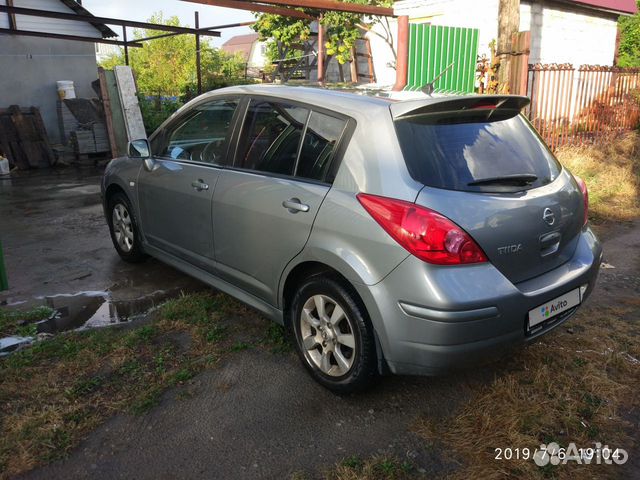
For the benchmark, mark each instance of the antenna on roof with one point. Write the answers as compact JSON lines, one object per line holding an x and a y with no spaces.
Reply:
{"x":430,"y":87}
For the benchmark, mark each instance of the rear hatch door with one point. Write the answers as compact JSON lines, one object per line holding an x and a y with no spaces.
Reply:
{"x":485,"y":168}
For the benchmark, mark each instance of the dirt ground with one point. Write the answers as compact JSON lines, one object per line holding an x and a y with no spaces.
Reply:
{"x":257,"y":414}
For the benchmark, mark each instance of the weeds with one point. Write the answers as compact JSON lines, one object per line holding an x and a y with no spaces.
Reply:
{"x":20,"y":322}
{"x":612,"y":174}
{"x":376,"y":468}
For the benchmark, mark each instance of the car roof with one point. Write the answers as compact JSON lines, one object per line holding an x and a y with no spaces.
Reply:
{"x":360,"y":103}
{"x":336,"y":100}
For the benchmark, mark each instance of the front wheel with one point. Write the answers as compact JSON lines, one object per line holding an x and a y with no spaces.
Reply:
{"x":124,"y":229}
{"x":333,"y":335}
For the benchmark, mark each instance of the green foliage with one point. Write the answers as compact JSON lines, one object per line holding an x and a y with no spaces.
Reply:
{"x":20,"y":322}
{"x":156,"y":110}
{"x":165,"y":70}
{"x":629,"y":50}
{"x":113,"y":60}
{"x":342,"y":31}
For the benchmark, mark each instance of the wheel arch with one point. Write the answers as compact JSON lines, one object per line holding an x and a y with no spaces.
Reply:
{"x":111,"y":190}
{"x":296,"y":273}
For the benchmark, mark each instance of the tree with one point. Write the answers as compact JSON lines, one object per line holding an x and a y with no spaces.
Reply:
{"x":508,"y":24}
{"x":343,"y":29}
{"x":629,"y":49}
{"x":166,"y":67}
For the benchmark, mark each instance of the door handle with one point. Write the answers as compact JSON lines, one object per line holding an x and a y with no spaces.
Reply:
{"x":549,"y":244}
{"x":294,"y":205}
{"x":199,"y":185}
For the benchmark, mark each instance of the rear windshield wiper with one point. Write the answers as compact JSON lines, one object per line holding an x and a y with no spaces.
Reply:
{"x":518,"y":180}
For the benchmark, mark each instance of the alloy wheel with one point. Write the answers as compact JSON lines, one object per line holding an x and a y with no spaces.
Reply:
{"x":327,"y":336}
{"x":123,"y":227}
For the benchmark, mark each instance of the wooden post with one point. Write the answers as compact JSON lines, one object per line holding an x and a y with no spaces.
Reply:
{"x":126,"y":45}
{"x":321,"y":50}
{"x":521,"y":47}
{"x":354,"y":65}
{"x":198,"y":56}
{"x":508,"y":25}
{"x":106,"y":104}
{"x":402,"y":64}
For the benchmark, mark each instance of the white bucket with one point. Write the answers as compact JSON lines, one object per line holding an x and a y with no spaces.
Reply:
{"x":66,"y":89}
{"x":4,"y":166}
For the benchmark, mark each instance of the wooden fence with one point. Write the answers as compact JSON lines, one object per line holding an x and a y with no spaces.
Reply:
{"x":586,"y":105}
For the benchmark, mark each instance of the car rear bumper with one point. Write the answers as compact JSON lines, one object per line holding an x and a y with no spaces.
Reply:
{"x":432,"y":319}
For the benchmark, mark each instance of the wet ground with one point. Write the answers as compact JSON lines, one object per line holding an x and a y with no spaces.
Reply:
{"x":257,"y":415}
{"x":58,"y":252}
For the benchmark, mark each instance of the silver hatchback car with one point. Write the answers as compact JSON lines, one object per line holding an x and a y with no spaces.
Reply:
{"x":410,"y":237}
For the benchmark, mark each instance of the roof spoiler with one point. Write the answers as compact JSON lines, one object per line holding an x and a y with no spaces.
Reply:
{"x":453,"y":104}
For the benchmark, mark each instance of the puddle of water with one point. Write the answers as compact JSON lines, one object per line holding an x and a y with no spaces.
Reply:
{"x":96,"y":309}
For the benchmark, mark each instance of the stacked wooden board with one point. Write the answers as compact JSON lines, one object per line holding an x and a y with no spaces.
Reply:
{"x":23,"y":138}
{"x":88,"y":126}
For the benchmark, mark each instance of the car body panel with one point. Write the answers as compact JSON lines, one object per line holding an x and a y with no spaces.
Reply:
{"x":429,"y":346}
{"x":510,"y":228}
{"x":256,"y":236}
{"x":175,"y":215}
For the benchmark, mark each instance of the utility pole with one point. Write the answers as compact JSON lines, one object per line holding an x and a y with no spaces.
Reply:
{"x":508,"y":25}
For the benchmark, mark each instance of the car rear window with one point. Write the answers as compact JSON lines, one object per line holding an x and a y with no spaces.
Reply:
{"x":454,"y":150}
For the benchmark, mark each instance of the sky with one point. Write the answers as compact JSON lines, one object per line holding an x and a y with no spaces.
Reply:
{"x":141,"y":10}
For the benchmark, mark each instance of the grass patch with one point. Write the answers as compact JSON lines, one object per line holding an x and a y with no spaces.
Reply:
{"x":55,"y":392}
{"x":376,"y":468}
{"x":565,"y":388}
{"x":277,"y":339}
{"x":20,"y":322}
{"x":612,"y":174}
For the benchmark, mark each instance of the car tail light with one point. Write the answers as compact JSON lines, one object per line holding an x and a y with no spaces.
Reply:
{"x":585,"y":198}
{"x":424,"y":233}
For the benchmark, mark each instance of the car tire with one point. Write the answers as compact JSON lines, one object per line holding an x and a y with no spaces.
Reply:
{"x":123,"y":226}
{"x":333,"y":335}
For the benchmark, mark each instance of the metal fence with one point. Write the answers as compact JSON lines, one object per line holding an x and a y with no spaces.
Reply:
{"x":444,"y":54}
{"x":586,"y":105}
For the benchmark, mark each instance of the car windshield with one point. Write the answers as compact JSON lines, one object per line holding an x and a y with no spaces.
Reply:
{"x":475,"y":151}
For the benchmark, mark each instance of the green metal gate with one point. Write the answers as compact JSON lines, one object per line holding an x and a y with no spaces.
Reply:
{"x":433,"y":49}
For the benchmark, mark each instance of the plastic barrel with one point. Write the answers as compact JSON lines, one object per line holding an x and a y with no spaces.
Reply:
{"x":66,"y":89}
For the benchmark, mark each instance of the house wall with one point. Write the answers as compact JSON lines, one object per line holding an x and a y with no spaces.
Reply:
{"x":383,"y":58}
{"x":35,"y":66}
{"x":51,"y":25}
{"x":566,"y":34}
{"x":455,"y":13}
{"x":257,"y":57}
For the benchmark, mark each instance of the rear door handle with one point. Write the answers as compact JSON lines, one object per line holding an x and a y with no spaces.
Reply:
{"x":199,"y":185}
{"x":294,"y":205}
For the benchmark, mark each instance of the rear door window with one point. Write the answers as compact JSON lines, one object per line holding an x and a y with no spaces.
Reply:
{"x":271,"y":136}
{"x":466,"y":150}
{"x":319,"y":146}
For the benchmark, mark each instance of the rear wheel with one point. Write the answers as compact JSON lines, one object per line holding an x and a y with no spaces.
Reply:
{"x":124,"y":229}
{"x":333,"y":336}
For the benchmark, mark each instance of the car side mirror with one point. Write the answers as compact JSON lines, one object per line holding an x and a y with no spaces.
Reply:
{"x":139,"y":148}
